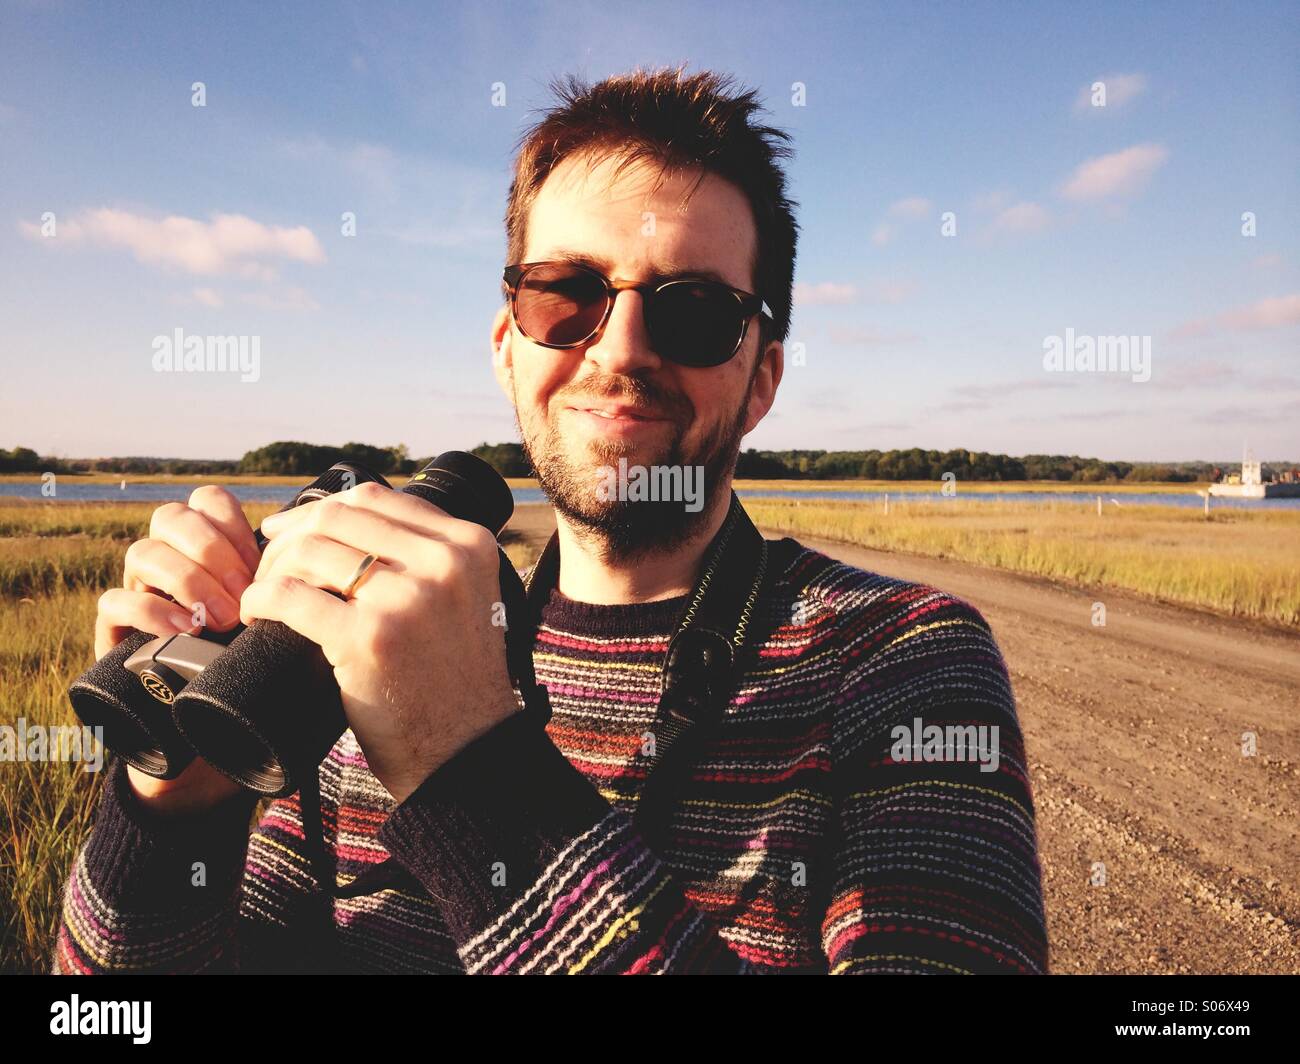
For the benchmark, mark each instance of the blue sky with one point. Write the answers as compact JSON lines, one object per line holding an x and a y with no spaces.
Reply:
{"x":1123,"y":220}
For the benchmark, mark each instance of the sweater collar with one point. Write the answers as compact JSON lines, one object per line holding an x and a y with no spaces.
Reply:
{"x":658,"y":618}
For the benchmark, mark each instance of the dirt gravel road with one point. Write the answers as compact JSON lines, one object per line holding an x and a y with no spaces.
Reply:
{"x":1165,"y":848}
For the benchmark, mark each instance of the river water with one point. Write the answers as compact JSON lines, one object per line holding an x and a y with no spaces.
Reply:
{"x":69,"y":490}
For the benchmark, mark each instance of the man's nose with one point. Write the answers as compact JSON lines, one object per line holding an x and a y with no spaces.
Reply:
{"x":624,"y":347}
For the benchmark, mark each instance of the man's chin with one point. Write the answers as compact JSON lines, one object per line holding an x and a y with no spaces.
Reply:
{"x":626,"y":531}
{"x":632,"y":493}
{"x":629,"y":521}
{"x":596,"y":455}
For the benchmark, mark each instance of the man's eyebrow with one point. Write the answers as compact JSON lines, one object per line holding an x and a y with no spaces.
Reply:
{"x":578,"y":258}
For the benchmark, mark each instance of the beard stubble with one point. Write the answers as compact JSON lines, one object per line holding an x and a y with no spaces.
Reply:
{"x":627,"y":530}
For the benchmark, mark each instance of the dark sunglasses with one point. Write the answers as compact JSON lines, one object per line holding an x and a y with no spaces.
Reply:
{"x":692,"y":323}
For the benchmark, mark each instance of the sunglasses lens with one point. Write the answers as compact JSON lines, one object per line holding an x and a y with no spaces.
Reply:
{"x":559,"y":304}
{"x":696,"y":324}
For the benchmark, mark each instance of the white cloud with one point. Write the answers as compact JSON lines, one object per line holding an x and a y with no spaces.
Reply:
{"x":1265,"y":314}
{"x":1024,"y":217}
{"x":909,"y":209}
{"x":1119,"y":173}
{"x":1205,"y":373}
{"x":831,"y":293}
{"x":824,"y":294}
{"x":231,"y":244}
{"x":912,"y":207}
{"x":994,"y":200}
{"x":1120,"y":89}
{"x":1271,"y":313}
{"x":208,"y":297}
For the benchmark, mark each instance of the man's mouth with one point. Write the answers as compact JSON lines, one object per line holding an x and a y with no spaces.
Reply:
{"x":617,"y":413}
{"x":612,"y":420}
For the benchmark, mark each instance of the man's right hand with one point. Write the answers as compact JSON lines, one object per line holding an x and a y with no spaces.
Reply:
{"x":203,"y":553}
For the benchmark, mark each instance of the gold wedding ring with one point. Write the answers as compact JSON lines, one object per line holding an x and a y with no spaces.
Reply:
{"x":363,"y":568}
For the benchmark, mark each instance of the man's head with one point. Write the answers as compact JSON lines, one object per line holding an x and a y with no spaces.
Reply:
{"x":646,"y":177}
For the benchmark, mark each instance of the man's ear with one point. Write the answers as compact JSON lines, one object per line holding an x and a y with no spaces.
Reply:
{"x":502,"y":364}
{"x":767,"y":378}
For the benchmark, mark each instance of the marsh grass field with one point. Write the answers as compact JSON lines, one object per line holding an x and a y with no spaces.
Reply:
{"x":55,"y":561}
{"x":56,"y":558}
{"x":1242,"y":563}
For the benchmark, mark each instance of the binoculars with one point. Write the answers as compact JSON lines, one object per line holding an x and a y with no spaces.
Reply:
{"x":260,"y":702}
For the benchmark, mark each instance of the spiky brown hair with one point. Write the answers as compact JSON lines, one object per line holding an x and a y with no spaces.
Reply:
{"x":677,"y":121}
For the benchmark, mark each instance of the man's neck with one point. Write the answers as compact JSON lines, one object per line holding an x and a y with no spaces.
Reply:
{"x":587,"y":574}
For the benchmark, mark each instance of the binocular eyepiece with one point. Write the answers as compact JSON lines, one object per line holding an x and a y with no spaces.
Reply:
{"x":259,"y":703}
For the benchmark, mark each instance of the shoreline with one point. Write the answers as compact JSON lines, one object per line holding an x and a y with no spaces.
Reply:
{"x":1064,"y":487}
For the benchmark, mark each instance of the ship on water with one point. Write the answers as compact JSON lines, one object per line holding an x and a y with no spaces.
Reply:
{"x":1250,"y":483}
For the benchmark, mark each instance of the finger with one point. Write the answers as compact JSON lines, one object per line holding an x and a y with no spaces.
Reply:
{"x":153,"y":564}
{"x":401,"y":508}
{"x":305,"y":538}
{"x":222,"y":509}
{"x":312,"y":613}
{"x":120,"y":611}
{"x":329,"y":565}
{"x":400,"y":546}
{"x":194,"y":536}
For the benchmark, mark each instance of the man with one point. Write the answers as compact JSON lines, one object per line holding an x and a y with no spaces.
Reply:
{"x":651,"y":258}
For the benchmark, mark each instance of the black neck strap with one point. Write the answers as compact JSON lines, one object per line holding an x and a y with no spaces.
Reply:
{"x":703,"y":662}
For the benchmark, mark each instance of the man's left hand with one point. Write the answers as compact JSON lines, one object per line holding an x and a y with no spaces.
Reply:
{"x":418,"y":651}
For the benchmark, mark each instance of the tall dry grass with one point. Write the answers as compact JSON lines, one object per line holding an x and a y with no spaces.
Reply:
{"x":1245,"y":563}
{"x":56,"y":558}
{"x":55,"y":561}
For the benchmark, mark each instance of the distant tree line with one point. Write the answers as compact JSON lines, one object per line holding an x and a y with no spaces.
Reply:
{"x":25,"y":460}
{"x":916,"y":464}
{"x":506,"y":458}
{"x":292,"y":458}
{"x":20,"y":460}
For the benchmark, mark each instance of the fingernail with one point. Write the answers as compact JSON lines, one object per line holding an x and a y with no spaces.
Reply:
{"x":225,"y":614}
{"x":182,"y":621}
{"x":236,"y":583}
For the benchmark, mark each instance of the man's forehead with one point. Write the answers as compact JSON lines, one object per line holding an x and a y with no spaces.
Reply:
{"x":618,"y":179}
{"x":678,"y":223}
{"x":661,"y":269}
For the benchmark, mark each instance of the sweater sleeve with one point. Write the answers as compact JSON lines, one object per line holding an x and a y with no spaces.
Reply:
{"x":535,"y":872}
{"x":153,"y":893}
{"x":931,"y":867}
{"x":936,"y":865}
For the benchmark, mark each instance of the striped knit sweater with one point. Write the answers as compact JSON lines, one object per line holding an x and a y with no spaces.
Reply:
{"x":798,"y":842}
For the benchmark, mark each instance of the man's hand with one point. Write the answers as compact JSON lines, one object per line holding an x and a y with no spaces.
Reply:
{"x":186,"y":574}
{"x":416,"y":653}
